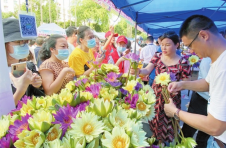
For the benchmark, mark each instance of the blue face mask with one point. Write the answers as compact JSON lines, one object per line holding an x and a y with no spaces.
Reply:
{"x":121,"y":49}
{"x":91,"y":43}
{"x":20,"y":52}
{"x":139,"y":42}
{"x":62,"y":54}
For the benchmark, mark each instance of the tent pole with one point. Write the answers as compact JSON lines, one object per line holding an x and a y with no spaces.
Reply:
{"x":135,"y":48}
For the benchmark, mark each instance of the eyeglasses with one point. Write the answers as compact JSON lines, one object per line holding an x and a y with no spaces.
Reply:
{"x":189,"y":46}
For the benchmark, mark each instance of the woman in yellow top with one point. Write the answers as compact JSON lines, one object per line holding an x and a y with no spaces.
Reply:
{"x":81,"y":58}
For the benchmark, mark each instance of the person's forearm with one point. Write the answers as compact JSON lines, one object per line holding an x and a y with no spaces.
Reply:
{"x":87,"y":72}
{"x":118,"y":62}
{"x":18,"y":95}
{"x":57,"y":84}
{"x":108,"y":42}
{"x":198,"y":85}
{"x":201,"y":123}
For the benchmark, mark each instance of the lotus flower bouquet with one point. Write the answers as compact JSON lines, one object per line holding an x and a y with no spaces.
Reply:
{"x":164,"y":79}
{"x":100,"y":112}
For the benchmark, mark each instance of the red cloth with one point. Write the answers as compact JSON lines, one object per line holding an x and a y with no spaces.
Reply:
{"x":114,"y":55}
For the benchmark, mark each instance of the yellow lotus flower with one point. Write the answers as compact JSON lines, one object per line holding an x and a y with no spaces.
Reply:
{"x":142,"y":108}
{"x":118,"y":138}
{"x":11,"y":118}
{"x":53,"y":144}
{"x":41,"y":120}
{"x":21,"y":143}
{"x":71,"y":86}
{"x":163,"y":79}
{"x":53,"y":133}
{"x":193,"y":59}
{"x":40,"y":103}
{"x":27,"y":108}
{"x":35,"y":139}
{"x":113,"y":91}
{"x":65,"y":97}
{"x":48,"y":101}
{"x":107,"y":97}
{"x":148,"y":88}
{"x":101,"y":108}
{"x":119,"y":118}
{"x":150,"y":114}
{"x":130,"y":86}
{"x":149,"y":98}
{"x":87,"y":126}
{"x":138,"y":138}
{"x":109,"y":68}
{"x":4,"y":126}
{"x":87,"y":95}
{"x":104,"y":90}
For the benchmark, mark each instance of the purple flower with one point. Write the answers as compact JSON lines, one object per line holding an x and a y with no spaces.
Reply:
{"x":123,"y":91}
{"x":85,"y":80}
{"x":19,"y":126}
{"x":128,"y":99}
{"x":132,"y":101}
{"x":94,"y":89}
{"x":20,"y":103}
{"x":78,"y":83}
{"x":173,"y":77}
{"x":115,"y":84}
{"x":5,"y":142}
{"x":196,"y":65}
{"x":138,"y":86}
{"x":134,"y":57}
{"x":111,"y":77}
{"x":82,"y":106}
{"x":155,"y":146}
{"x":64,"y":117}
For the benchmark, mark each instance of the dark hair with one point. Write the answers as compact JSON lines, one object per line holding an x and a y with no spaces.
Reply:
{"x":150,"y":38}
{"x":44,"y":52}
{"x":193,"y":24}
{"x":70,"y":30}
{"x":160,"y":37}
{"x":128,"y":46}
{"x":171,"y":35}
{"x":222,"y":33}
{"x":32,"y":42}
{"x":39,"y":40}
{"x":81,"y":33}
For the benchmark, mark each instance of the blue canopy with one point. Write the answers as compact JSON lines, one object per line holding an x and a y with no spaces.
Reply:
{"x":158,"y":16}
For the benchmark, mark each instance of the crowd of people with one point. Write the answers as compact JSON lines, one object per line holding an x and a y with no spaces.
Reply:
{"x":55,"y":60}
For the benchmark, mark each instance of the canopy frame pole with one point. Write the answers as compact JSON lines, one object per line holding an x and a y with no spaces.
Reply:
{"x":135,"y":48}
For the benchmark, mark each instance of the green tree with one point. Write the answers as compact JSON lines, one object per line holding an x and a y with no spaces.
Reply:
{"x":45,"y":10}
{"x":92,"y":14}
{"x":9,"y":14}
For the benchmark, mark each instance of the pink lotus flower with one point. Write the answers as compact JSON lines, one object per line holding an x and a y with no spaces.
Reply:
{"x":132,"y":101}
{"x":112,"y":77}
{"x":20,"y":103}
{"x":5,"y":142}
{"x":64,"y":117}
{"x":19,"y":126}
{"x":133,"y":57}
{"x":94,"y":89}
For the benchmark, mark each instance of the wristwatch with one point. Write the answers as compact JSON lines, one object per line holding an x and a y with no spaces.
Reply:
{"x":176,"y":115}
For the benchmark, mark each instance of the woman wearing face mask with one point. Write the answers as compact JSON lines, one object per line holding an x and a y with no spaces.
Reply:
{"x":167,"y":61}
{"x":82,"y":57}
{"x":16,"y":49}
{"x":54,"y":70}
{"x":121,"y":48}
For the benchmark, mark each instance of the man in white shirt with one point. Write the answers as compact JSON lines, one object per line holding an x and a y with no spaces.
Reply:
{"x":148,"y":51}
{"x":200,"y":34}
{"x":138,"y":43}
{"x":71,"y":39}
